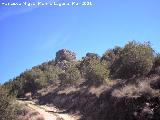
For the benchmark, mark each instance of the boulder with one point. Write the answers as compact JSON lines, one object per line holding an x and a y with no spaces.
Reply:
{"x":65,"y":54}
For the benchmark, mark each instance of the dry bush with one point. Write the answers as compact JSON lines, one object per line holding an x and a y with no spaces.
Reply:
{"x":8,"y":108}
{"x":111,"y":55}
{"x":156,"y":66}
{"x":155,"y":84}
{"x":134,"y":90}
{"x":157,"y":60}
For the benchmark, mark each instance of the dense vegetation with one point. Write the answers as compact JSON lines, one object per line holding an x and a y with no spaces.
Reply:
{"x":71,"y":76}
{"x":95,"y":71}
{"x":134,"y":60}
{"x":36,"y":78}
{"x":8,"y":109}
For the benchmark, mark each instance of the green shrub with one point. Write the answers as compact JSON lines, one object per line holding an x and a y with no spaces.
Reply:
{"x":96,"y":72}
{"x":15,"y":86}
{"x":157,"y":61}
{"x":85,"y":61}
{"x":7,"y":108}
{"x":111,"y":55}
{"x":71,"y":76}
{"x":136,"y":59}
{"x":34,"y":79}
{"x":49,"y":76}
{"x":156,"y":65}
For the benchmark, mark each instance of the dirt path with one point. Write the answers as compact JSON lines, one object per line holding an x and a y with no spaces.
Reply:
{"x":49,"y":113}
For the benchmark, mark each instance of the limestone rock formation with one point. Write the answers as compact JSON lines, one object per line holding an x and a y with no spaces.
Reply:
{"x":65,"y":54}
{"x":65,"y":58}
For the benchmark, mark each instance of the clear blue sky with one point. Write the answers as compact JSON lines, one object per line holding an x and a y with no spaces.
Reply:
{"x":30,"y":36}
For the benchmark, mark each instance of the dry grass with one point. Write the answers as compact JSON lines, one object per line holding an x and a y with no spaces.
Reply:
{"x":105,"y":101}
{"x":68,"y":90}
{"x":98,"y":90}
{"x":47,"y":90}
{"x":135,"y":90}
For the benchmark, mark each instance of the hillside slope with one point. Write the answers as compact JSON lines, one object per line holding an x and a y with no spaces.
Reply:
{"x":119,"y":100}
{"x":123,"y":84}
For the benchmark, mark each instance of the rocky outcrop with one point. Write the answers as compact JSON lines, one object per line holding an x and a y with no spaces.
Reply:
{"x":65,"y":54}
{"x":65,"y":58}
{"x":64,"y":65}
